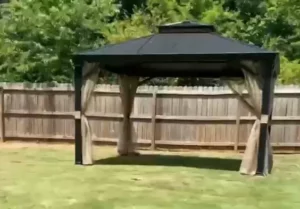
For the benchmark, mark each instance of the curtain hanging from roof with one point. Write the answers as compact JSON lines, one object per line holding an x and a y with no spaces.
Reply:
{"x":128,"y":87}
{"x":253,"y":102}
{"x":90,"y":74}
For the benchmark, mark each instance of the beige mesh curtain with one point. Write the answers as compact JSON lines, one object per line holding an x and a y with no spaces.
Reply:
{"x":90,"y":74}
{"x":252,"y":83}
{"x":128,"y":87}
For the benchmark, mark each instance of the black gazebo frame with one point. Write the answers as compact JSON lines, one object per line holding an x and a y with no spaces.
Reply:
{"x":182,"y":50}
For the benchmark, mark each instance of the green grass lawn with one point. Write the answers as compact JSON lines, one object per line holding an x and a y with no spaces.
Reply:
{"x":37,"y":177}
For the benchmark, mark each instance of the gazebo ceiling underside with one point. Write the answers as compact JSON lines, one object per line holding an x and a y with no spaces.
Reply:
{"x":178,"y":54}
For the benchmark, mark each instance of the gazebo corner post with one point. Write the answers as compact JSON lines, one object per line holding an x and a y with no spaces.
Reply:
{"x":265,"y":155}
{"x":78,"y":65}
{"x":128,"y":87}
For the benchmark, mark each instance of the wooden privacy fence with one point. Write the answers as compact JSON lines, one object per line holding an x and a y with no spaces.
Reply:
{"x":194,"y":116}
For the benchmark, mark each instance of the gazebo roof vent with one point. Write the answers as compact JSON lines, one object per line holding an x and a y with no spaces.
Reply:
{"x":186,"y":27}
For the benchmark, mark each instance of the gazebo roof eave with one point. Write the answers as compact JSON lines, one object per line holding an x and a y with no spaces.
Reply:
{"x":108,"y":58}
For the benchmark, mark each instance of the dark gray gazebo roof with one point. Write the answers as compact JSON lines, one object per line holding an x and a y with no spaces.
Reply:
{"x":182,"y":49}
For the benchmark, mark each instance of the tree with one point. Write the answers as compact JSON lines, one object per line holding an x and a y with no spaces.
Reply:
{"x":38,"y":37}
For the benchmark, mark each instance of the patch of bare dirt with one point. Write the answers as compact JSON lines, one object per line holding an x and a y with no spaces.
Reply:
{"x":106,"y":148}
{"x":20,"y":145}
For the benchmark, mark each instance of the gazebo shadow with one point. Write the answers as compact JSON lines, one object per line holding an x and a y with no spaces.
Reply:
{"x":174,"y":161}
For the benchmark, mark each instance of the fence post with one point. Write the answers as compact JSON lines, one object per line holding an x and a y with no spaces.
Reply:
{"x":238,"y":121}
{"x":2,"y":134}
{"x":153,"y":118}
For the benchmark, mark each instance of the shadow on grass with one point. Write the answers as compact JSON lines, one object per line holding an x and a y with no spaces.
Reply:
{"x":174,"y":160}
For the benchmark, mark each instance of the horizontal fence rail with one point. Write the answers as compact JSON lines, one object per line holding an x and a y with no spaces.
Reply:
{"x":163,"y":116}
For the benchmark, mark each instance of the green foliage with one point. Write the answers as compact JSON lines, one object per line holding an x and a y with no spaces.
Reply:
{"x":38,"y":37}
{"x":143,"y":21}
{"x":290,"y":71}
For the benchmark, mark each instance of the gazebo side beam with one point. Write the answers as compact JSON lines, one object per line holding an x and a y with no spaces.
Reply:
{"x":266,"y":117}
{"x":78,"y":135}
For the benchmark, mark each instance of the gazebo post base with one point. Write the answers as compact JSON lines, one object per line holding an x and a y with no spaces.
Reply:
{"x":131,"y":154}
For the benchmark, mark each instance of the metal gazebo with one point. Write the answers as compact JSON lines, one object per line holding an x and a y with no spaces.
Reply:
{"x":185,"y":49}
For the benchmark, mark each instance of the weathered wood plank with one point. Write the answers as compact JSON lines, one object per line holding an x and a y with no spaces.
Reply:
{"x":153,"y":120}
{"x":238,"y":122}
{"x":2,"y":119}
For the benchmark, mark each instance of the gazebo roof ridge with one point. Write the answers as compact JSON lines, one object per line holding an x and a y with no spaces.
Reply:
{"x":186,"y":26}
